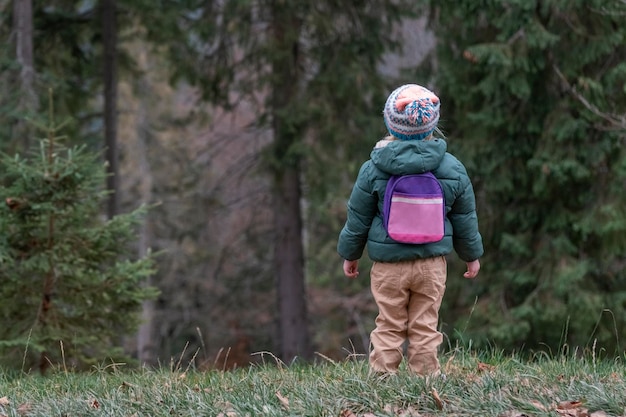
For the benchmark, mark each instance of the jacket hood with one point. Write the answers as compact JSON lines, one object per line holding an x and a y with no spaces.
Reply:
{"x":402,"y":157}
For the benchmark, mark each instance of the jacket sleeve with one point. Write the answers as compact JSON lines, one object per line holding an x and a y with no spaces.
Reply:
{"x":362,"y":207}
{"x":466,"y":238}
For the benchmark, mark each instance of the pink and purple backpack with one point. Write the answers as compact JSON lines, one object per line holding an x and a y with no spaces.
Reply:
{"x":414,"y":209}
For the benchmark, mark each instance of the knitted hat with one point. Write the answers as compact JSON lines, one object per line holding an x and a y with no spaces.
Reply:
{"x":411,"y":112}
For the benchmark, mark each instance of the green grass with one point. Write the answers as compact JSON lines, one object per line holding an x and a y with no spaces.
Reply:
{"x":475,"y":385}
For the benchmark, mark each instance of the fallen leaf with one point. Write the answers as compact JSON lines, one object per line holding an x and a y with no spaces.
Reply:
{"x":283,"y":401}
{"x":483,"y":367}
{"x":24,"y":409}
{"x":538,"y":405}
{"x":397,"y":411}
{"x":513,"y":414}
{"x":572,"y":409}
{"x":598,"y":414}
{"x":4,"y":401}
{"x":347,"y":413}
{"x":568,"y":405}
{"x":410,"y":412}
{"x":576,"y":412}
{"x":437,"y":399}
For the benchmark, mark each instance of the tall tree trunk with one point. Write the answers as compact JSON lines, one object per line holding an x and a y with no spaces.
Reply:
{"x":289,"y":267}
{"x":146,"y":350}
{"x":109,"y":36}
{"x":288,"y":245}
{"x":28,"y":102}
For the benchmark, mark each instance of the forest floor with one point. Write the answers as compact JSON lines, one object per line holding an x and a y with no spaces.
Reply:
{"x":473,"y":384}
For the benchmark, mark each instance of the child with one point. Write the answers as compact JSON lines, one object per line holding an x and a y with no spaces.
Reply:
{"x":408,"y":280}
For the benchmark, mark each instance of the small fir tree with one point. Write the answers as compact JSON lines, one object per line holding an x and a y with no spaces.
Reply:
{"x":69,"y":288}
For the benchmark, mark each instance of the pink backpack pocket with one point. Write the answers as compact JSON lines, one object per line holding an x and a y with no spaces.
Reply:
{"x":414,"y":209}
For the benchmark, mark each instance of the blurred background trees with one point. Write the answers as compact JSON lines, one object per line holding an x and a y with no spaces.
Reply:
{"x":246,"y":122}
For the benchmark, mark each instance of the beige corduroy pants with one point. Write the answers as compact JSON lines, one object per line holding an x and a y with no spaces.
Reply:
{"x":408,"y":295}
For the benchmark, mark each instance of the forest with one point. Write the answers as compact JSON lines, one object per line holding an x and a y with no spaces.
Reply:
{"x":175,"y":173}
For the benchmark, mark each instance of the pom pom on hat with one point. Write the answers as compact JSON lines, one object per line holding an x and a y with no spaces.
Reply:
{"x":411,"y":112}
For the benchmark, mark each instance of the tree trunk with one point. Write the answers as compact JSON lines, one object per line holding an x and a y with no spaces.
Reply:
{"x":109,"y":36}
{"x":28,"y":102}
{"x":146,"y":349}
{"x":289,"y":267}
{"x":288,"y":244}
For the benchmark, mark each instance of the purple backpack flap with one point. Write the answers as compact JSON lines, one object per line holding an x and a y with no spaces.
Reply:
{"x":414,"y":209}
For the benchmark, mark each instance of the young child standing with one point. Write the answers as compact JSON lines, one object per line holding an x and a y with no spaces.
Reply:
{"x":408,"y":280}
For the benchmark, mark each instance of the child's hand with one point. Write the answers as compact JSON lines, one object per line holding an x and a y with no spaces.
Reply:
{"x":351,"y":268}
{"x":472,"y":269}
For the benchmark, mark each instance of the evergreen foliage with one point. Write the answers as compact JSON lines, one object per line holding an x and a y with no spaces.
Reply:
{"x":74,"y":290}
{"x":534,"y":101}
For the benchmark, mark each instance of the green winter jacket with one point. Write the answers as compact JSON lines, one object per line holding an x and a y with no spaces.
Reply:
{"x":364,"y":224}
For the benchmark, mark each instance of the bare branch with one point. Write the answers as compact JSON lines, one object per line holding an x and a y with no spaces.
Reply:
{"x":618,"y":9}
{"x":616,"y":121}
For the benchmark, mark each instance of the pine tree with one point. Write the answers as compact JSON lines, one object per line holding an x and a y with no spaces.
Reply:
{"x":533,"y":101}
{"x":70,"y":290}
